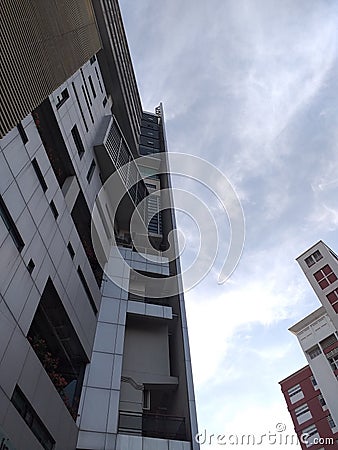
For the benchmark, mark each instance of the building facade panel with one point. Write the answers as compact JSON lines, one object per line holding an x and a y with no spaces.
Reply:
{"x":318,"y":338}
{"x":44,"y":42}
{"x":88,"y":359}
{"x":314,"y":429}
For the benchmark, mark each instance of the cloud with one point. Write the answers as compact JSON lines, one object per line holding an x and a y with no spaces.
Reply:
{"x":263,"y":292}
{"x":250,"y":86}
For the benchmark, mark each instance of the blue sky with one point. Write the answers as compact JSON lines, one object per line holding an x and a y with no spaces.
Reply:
{"x":251,"y":86}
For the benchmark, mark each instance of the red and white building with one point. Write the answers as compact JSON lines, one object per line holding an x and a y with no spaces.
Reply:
{"x":311,"y":393}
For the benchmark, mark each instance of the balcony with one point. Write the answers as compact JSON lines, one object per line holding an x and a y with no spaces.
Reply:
{"x":113,"y":153}
{"x":152,"y":301}
{"x":153,"y":425}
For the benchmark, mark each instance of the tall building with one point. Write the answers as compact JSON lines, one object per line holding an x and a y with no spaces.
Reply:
{"x":33,"y":66}
{"x":311,"y":392}
{"x":94,"y":351}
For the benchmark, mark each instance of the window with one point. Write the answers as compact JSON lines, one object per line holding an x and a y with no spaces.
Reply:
{"x":321,"y":400}
{"x":303,"y":414}
{"x":85,"y":89}
{"x":88,"y":102}
{"x":333,"y":299}
{"x":154,"y":214}
{"x":314,"y":351}
{"x":30,"y":266}
{"x":70,"y":250}
{"x":91,"y":171}
{"x":312,"y":259}
{"x":151,"y":186}
{"x":87,"y":290}
{"x":81,"y":216}
{"x":147,"y":150}
{"x":92,"y":86}
{"x":80,"y":107}
{"x":38,"y":172}
{"x":78,"y":141}
{"x":64,"y":96}
{"x":92,"y":59}
{"x":31,"y":418}
{"x":327,"y":342}
{"x":22,"y":133}
{"x":150,"y":118}
{"x":104,"y":102}
{"x":58,"y":347}
{"x":325,"y":276}
{"x":10,"y":225}
{"x":146,"y":399}
{"x":331,"y":422}
{"x":54,"y":210}
{"x":99,"y":81}
{"x":333,"y":360}
{"x":314,"y":382}
{"x":310,"y":434}
{"x":295,"y":393}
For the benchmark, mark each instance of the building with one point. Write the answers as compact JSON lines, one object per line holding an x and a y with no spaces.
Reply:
{"x":94,"y":351}
{"x":311,"y":392}
{"x":33,"y":66}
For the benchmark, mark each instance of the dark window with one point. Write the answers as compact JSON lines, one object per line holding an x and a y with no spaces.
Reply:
{"x":31,"y":418}
{"x":81,"y":216}
{"x":58,"y":347}
{"x":85,"y":88}
{"x":147,"y":150}
{"x":10,"y":225}
{"x":87,"y":290}
{"x":151,"y":186}
{"x":312,"y":259}
{"x":38,"y":172}
{"x":321,"y":400}
{"x":80,"y":107}
{"x":92,"y":86}
{"x":92,"y":59}
{"x":22,"y":133}
{"x":54,"y":210}
{"x":327,"y":342}
{"x":53,"y":142}
{"x":98,"y":79}
{"x":78,"y":141}
{"x":331,"y":422}
{"x":104,"y":102}
{"x":314,"y":352}
{"x":62,"y":98}
{"x":70,"y":250}
{"x":314,"y":381}
{"x":30,"y":266}
{"x":149,"y":133}
{"x":150,"y":118}
{"x":88,"y":103}
{"x":91,"y":171}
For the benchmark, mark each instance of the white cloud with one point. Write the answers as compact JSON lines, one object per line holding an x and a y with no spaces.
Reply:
{"x":264,"y":294}
{"x":250,"y":86}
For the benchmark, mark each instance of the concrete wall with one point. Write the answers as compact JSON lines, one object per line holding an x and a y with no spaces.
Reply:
{"x":45,"y":242}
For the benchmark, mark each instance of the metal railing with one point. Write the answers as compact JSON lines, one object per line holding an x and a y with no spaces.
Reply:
{"x":154,"y":425}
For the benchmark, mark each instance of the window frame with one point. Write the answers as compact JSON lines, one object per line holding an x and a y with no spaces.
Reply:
{"x":325,"y":276}
{"x":11,"y":226}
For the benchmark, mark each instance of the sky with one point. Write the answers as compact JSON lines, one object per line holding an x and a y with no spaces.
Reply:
{"x":252,"y":87}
